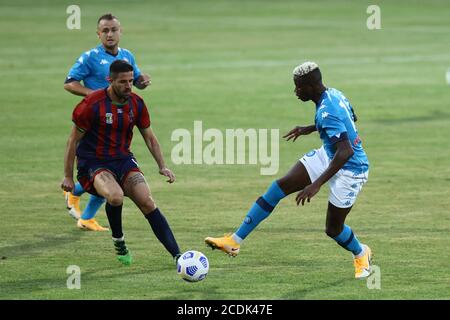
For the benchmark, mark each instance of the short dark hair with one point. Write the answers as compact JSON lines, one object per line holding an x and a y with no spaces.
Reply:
{"x":107,"y":16}
{"x":119,"y":66}
{"x":311,"y":78}
{"x":314,"y":76}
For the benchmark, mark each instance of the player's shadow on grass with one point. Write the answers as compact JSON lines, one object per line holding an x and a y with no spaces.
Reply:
{"x":33,"y":247}
{"x":301,"y":293}
{"x":192,"y":291}
{"x":51,"y":288}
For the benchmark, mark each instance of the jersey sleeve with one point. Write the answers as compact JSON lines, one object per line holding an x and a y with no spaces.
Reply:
{"x":80,"y":69}
{"x":355,"y":118}
{"x":143,"y":120}
{"x":334,"y":127}
{"x":83,"y":116}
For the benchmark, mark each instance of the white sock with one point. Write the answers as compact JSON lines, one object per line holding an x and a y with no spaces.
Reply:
{"x":362,"y":252}
{"x":119,"y":239}
{"x":236,"y":238}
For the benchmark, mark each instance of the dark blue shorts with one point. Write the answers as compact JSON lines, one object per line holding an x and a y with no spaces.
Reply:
{"x":89,"y":168}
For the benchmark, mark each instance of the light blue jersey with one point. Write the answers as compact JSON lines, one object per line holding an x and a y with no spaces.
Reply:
{"x":92,"y":67}
{"x":335,"y":121}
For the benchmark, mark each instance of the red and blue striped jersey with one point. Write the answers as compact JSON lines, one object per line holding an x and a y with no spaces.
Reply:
{"x":108,"y":127}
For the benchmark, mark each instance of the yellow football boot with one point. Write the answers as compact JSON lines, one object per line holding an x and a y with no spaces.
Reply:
{"x":90,"y":224}
{"x":225,"y":243}
{"x":363,"y":264}
{"x":73,"y":205}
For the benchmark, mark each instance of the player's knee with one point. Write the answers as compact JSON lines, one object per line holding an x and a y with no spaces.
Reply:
{"x":147,"y":206}
{"x":115,"y":198}
{"x":333,"y":231}
{"x":280,"y":182}
{"x":284,"y":185}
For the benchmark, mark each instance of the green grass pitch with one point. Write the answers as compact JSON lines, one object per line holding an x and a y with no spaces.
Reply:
{"x":229,"y":64}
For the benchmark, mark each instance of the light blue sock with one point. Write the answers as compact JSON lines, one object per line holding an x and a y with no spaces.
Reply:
{"x":78,"y":190}
{"x":94,"y":203}
{"x":260,"y":210}
{"x":347,"y":240}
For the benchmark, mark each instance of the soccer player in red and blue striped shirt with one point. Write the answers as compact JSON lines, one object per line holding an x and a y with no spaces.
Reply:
{"x":90,"y":73}
{"x":101,"y":139}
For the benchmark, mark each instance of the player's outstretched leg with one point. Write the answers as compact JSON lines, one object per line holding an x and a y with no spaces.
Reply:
{"x":136,"y":188}
{"x":344,"y":236}
{"x":87,"y":221}
{"x":261,"y":209}
{"x":296,"y":179}
{"x":162,"y":231}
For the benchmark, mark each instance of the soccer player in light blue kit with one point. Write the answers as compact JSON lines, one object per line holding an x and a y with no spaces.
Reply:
{"x":92,"y":67}
{"x":341,"y":162}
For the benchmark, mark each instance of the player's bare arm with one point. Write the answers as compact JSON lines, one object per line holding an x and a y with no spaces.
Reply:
{"x":299,"y":131}
{"x":69,"y":157}
{"x":344,"y":152}
{"x":76,"y":88}
{"x":153,"y":146}
{"x":143,"y":81}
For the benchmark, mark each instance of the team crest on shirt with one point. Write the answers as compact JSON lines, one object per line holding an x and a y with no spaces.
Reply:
{"x":109,"y":118}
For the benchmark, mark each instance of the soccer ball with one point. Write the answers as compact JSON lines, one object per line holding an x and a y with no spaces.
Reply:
{"x":193,"y":266}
